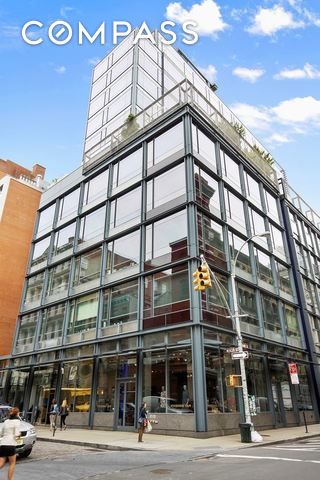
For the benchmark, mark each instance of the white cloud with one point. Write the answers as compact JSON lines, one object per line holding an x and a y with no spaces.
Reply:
{"x":278,"y":138}
{"x":300,"y":110}
{"x":308,"y":72}
{"x":269,"y":21}
{"x":60,"y":70}
{"x":249,"y":74}
{"x":94,"y":61}
{"x":10,"y":31}
{"x":253,"y":117}
{"x":207,"y":15}
{"x":64,"y":11}
{"x":210,"y":72}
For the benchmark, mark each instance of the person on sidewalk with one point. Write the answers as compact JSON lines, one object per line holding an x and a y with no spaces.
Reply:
{"x":54,"y":412}
{"x":10,"y":434}
{"x":64,"y":412}
{"x":142,"y":421}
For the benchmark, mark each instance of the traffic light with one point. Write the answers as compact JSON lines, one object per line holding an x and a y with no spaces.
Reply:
{"x":202,"y":278}
{"x":233,"y":381}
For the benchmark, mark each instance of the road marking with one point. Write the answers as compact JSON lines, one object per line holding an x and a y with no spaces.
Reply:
{"x":292,"y":449}
{"x":253,"y":457}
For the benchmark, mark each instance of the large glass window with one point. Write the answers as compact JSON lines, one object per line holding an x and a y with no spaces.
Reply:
{"x":52,"y":326}
{"x":167,"y":240}
{"x":27,"y":328}
{"x":64,"y":239}
{"x":46,"y":218}
{"x":284,"y":279}
{"x":69,"y":204}
{"x":234,"y":208}
{"x":92,"y":225}
{"x":217,"y":301}
{"x":248,"y":306}
{"x":203,"y":145}
{"x":34,"y":289}
{"x":83,"y":314}
{"x":96,"y":188}
{"x":264,"y":269}
{"x":120,"y":304}
{"x":272,"y":207}
{"x":124,"y":252}
{"x":107,"y":374}
{"x":230,"y":168}
{"x":164,"y":145}
{"x":252,"y":187}
{"x":126,"y":208}
{"x":257,"y":224}
{"x":76,"y":385}
{"x":277,"y":240}
{"x":236,"y":245}
{"x":211,"y":242}
{"x":292,"y":326}
{"x":166,"y":297}
{"x":40,"y":251}
{"x":166,"y":187}
{"x":207,"y":191}
{"x":88,"y":267}
{"x":271,"y":318}
{"x":257,"y":383}
{"x":129,"y":168}
{"x":58,"y":279}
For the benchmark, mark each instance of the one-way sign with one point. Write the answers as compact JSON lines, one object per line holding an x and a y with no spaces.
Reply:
{"x":238,"y":355}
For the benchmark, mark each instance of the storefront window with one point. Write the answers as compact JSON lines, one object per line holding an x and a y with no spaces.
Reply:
{"x":257,"y":383}
{"x":17,"y":385}
{"x":76,"y":385}
{"x":52,"y":326}
{"x":87,"y":267}
{"x":107,"y":375}
{"x":303,"y":389}
{"x":166,"y":240}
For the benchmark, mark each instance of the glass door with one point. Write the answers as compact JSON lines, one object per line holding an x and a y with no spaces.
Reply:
{"x":126,"y":394}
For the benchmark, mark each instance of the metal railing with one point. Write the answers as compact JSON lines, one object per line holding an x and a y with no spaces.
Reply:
{"x":184,"y":93}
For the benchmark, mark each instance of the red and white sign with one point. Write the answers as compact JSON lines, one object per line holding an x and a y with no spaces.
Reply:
{"x":293,"y":370}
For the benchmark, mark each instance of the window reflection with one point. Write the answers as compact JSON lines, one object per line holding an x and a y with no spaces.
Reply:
{"x":284,"y":279}
{"x":46,"y":218}
{"x":292,"y":326}
{"x":207,"y":191}
{"x":264,"y":270}
{"x":40,"y":251}
{"x":165,"y":145}
{"x":252,"y":187}
{"x":126,"y":208}
{"x":230,"y":168}
{"x":58,"y":279}
{"x":166,"y":240}
{"x":128,"y":168}
{"x":83,"y":314}
{"x":87,"y":267}
{"x":52,"y":326}
{"x":64,"y":239}
{"x":92,"y":225}
{"x":243,"y":260}
{"x":34,"y":289}
{"x":211,"y":241}
{"x":203,"y":145}
{"x":166,"y":187}
{"x":120,"y":304}
{"x":248,"y":306}
{"x":234,"y":208}
{"x":124,"y":252}
{"x":69,"y":204}
{"x":96,"y":188}
{"x":271,"y":318}
{"x":26,"y":333}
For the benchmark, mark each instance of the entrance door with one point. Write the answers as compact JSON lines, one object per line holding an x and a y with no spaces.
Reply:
{"x":126,"y":403}
{"x":278,"y":404}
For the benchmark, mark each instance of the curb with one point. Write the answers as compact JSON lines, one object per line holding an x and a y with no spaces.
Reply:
{"x":99,"y":446}
{"x":275,"y":442}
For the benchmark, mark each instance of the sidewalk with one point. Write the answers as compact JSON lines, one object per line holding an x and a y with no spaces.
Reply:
{"x":128,"y":440}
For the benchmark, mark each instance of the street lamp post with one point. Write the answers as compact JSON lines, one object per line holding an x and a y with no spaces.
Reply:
{"x":236,"y":318}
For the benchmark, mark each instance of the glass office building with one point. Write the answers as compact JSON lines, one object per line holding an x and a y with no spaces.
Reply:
{"x":109,"y":316}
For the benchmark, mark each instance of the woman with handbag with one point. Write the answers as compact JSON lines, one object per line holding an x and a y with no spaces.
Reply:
{"x":10,"y":435}
{"x":142,"y":421}
{"x":64,"y":412}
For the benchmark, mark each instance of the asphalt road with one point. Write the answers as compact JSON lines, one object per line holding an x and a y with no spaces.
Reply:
{"x":295,"y":461}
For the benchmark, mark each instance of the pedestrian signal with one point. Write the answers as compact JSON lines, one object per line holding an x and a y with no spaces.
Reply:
{"x":233,"y":381}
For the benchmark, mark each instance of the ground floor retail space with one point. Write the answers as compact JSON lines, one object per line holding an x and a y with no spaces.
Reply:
{"x":183,"y":384}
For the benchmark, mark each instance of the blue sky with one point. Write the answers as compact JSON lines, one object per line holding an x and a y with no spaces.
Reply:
{"x":263,"y":55}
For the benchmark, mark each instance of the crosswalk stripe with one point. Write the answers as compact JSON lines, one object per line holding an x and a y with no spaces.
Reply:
{"x":292,"y":449}
{"x":253,"y":457}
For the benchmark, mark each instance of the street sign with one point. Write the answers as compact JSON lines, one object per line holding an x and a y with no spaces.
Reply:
{"x":239,"y":355}
{"x":293,"y":370}
{"x":236,"y":349}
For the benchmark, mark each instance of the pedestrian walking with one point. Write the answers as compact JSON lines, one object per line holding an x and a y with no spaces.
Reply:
{"x":142,"y":421}
{"x":54,"y":411}
{"x":64,"y":412}
{"x":8,"y":442}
